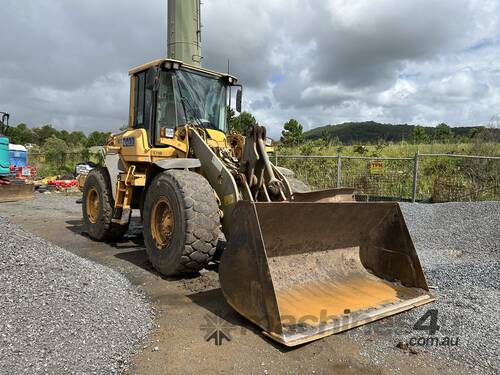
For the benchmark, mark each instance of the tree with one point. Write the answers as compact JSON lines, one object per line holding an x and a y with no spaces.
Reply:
{"x":325,"y":136}
{"x":293,"y":133}
{"x":336,"y":141}
{"x":443,"y":133}
{"x":419,"y":134}
{"x":55,"y":151}
{"x":231,"y":115}
{"x":44,"y":133}
{"x":64,"y":135}
{"x":20,"y":134}
{"x":242,"y":122}
{"x":76,"y":138}
{"x":97,"y":139}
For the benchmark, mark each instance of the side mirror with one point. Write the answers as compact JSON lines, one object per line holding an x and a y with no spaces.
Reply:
{"x":239,"y":95}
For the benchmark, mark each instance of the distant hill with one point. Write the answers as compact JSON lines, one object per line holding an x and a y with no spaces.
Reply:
{"x":372,"y":132}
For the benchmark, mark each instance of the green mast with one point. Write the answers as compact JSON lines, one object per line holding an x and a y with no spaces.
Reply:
{"x":184,"y":31}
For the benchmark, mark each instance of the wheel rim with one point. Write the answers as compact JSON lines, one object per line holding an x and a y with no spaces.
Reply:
{"x":162,"y":223}
{"x":93,"y":205}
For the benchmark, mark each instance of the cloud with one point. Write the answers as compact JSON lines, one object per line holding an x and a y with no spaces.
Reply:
{"x":419,"y":61}
{"x":264,"y":103}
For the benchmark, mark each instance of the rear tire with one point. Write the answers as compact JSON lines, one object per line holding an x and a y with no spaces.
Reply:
{"x":181,"y":222}
{"x":97,"y":208}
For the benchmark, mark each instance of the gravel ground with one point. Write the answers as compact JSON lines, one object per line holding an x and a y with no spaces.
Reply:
{"x":459,"y":248}
{"x":60,"y":313}
{"x":458,"y":245}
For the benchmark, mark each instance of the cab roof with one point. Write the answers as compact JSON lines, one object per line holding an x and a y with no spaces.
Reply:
{"x":176,"y":64}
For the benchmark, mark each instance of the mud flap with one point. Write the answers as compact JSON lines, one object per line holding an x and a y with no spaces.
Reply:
{"x":16,"y":192}
{"x":302,"y":271}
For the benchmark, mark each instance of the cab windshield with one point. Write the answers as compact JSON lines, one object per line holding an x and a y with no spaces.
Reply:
{"x":176,"y":98}
{"x":203,"y":99}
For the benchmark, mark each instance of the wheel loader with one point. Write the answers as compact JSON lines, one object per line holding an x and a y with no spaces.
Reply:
{"x":300,"y":265}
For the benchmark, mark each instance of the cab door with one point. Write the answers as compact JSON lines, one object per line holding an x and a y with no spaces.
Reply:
{"x":158,"y":105}
{"x":145,"y":98}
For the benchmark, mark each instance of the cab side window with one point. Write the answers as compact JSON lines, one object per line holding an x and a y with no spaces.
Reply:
{"x":148,"y":101}
{"x":139,"y":100}
{"x":144,"y":102}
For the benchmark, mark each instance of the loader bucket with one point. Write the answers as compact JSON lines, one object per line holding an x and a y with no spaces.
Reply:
{"x":16,"y":192}
{"x":302,"y":271}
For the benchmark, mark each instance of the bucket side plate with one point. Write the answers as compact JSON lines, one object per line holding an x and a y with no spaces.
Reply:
{"x":16,"y":192}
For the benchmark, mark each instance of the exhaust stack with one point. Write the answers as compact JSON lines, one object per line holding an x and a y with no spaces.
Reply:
{"x":184,"y":31}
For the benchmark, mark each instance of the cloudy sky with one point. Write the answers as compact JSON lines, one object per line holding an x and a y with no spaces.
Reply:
{"x":414,"y":61}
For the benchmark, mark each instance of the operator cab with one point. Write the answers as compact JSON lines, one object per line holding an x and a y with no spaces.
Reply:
{"x":166,"y":94}
{"x":4,"y":123}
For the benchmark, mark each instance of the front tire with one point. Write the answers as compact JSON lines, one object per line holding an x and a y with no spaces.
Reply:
{"x":97,"y":208}
{"x":181,"y":222}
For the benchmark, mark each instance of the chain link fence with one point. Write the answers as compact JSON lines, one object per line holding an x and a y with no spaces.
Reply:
{"x":424,"y":177}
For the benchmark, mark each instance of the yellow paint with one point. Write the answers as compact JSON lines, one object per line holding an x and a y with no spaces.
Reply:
{"x":131,"y":111}
{"x":228,"y":199}
{"x":181,"y":146}
{"x":132,"y":143}
{"x":327,"y":299}
{"x":217,"y":135}
{"x":133,"y":146}
{"x":376,"y":167}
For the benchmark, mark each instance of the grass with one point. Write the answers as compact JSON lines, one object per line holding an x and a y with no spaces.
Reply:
{"x":396,"y":149}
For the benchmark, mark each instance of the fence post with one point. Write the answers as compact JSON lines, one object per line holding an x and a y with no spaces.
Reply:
{"x":415,"y":178}
{"x":276,"y":157}
{"x":339,"y":171}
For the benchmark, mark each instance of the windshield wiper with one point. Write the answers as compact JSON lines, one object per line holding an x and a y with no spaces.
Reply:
{"x":193,"y":112}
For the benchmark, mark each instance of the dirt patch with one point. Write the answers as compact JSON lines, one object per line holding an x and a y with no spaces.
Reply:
{"x":204,"y":282}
